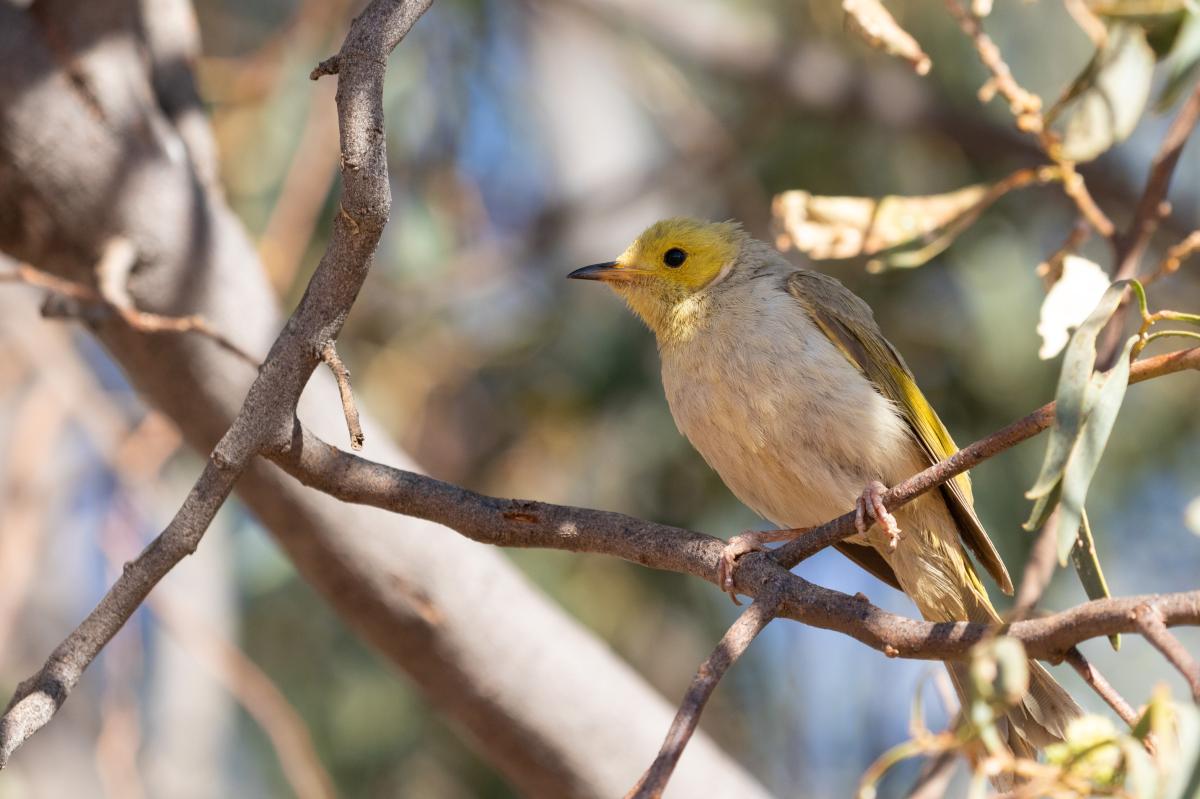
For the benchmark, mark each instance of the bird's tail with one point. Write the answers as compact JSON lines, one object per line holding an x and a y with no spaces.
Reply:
{"x":1041,"y":717}
{"x":1038,"y":720}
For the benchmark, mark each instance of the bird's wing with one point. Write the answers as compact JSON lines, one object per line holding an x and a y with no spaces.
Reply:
{"x":850,"y":325}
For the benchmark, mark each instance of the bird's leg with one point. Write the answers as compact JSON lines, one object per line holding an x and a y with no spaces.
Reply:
{"x":749,"y":541}
{"x":870,"y":510}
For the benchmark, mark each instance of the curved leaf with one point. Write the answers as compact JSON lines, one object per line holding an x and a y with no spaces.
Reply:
{"x":1104,"y":104}
{"x":1087,"y":566}
{"x":1106,"y":393}
{"x":849,"y":227}
{"x":1073,"y":383}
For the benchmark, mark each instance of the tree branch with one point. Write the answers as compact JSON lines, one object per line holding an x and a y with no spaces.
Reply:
{"x":329,"y":355}
{"x":1026,"y":108}
{"x":1092,"y":676}
{"x":270,"y":406}
{"x":967,"y":458}
{"x":526,"y":523}
{"x":118,"y":301}
{"x":39,"y":697}
{"x":1151,"y":626}
{"x":461,"y":621}
{"x":1150,"y":210}
{"x":737,"y":639}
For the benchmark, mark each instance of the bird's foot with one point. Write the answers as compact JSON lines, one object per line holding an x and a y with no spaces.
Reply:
{"x":744,"y":544}
{"x":870,"y":510}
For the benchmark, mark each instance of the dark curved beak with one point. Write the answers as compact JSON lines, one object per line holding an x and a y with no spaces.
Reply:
{"x":609,"y":270}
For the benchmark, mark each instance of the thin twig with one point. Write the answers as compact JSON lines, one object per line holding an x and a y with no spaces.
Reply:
{"x":1174,"y":257}
{"x":142,"y":321}
{"x":1150,"y":625}
{"x":527,"y":523}
{"x":818,"y":538}
{"x":118,"y":257}
{"x":24,"y":273}
{"x":732,"y":645}
{"x":1087,"y":20}
{"x":1026,"y":108}
{"x":1092,"y":676}
{"x":1151,"y":209}
{"x":1050,"y":270}
{"x":331,"y":358}
{"x":1075,"y":188}
{"x":329,"y":66}
{"x":266,"y":420}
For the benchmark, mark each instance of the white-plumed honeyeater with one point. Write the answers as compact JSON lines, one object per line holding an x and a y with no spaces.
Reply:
{"x":782,"y":380}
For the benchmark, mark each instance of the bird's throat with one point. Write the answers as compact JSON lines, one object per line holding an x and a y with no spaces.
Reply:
{"x":674,"y":316}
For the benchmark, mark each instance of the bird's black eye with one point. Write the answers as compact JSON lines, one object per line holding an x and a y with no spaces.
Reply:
{"x":674,"y":257}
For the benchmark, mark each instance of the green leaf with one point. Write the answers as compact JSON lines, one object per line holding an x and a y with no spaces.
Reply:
{"x":1073,"y":383}
{"x":1105,"y":102}
{"x":1106,"y":392}
{"x":1043,"y":506}
{"x":1087,"y":566}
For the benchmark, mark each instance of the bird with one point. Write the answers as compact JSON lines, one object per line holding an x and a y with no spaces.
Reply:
{"x":782,"y":380}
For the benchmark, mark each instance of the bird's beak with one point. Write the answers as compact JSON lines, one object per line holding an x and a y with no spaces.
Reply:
{"x":608,"y":272}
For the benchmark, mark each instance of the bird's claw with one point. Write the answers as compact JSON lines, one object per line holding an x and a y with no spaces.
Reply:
{"x":736,"y":547}
{"x":870,"y":510}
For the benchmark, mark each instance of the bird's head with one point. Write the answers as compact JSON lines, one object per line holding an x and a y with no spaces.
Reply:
{"x":665,"y":272}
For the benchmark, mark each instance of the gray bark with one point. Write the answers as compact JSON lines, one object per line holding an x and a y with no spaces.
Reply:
{"x":87,"y":152}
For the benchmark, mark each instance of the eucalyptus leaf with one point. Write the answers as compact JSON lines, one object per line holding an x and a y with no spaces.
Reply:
{"x":1087,"y":566}
{"x":1072,"y":393}
{"x":850,"y":227}
{"x":1043,"y":506}
{"x":1106,"y":100}
{"x":1107,"y":392}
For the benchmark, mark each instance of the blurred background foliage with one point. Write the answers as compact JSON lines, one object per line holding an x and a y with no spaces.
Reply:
{"x":526,"y":139}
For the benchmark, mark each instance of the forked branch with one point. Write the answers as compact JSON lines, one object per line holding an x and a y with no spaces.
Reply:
{"x":264,"y":423}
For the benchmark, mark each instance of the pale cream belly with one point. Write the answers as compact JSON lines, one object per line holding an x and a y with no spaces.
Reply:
{"x":799,"y":451}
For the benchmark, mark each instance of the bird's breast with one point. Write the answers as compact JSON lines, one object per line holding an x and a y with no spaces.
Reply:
{"x":791,"y":426}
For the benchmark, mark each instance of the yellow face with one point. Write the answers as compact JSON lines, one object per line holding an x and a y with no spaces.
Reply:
{"x":682,"y":252}
{"x":667,"y":264}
